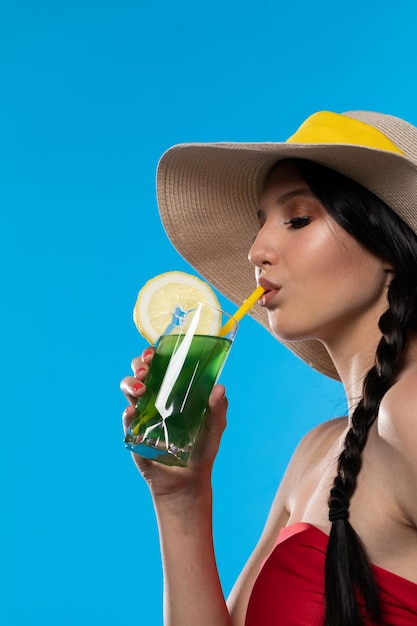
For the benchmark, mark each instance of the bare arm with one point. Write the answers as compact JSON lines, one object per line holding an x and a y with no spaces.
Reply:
{"x":182,"y":499}
{"x":192,"y":590}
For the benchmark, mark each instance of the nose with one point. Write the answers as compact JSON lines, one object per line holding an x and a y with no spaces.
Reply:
{"x":263,"y":251}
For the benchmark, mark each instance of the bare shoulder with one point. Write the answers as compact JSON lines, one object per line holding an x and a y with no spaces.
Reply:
{"x":397,"y":419}
{"x":325,"y":433}
{"x":397,"y":441}
{"x":317,"y":442}
{"x":306,"y":456}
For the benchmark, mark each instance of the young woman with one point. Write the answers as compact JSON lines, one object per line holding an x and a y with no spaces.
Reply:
{"x":332,"y":214}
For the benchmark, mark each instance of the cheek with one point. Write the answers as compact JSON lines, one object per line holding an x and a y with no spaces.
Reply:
{"x":329,"y":267}
{"x":354,"y":274}
{"x":319,"y":257}
{"x":336,"y":253}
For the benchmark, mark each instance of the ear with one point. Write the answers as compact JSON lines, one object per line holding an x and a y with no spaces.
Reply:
{"x":390,"y":273}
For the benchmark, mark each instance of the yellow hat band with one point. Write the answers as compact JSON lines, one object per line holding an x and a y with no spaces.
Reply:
{"x":326,"y":127}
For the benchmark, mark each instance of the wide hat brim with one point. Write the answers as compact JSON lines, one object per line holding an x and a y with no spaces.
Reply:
{"x":208,"y":195}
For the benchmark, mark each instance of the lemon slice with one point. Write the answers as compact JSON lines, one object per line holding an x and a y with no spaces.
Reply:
{"x":160,"y":296}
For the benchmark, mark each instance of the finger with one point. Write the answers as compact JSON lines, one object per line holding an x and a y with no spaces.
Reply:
{"x":127,"y":417}
{"x":218,"y":408}
{"x":145,"y":358}
{"x":208,"y":440}
{"x":141,"y":372}
{"x":132,"y":388}
{"x":217,"y":398}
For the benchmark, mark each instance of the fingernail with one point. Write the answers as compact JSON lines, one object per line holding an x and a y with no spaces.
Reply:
{"x":147,"y":353}
{"x":137,"y":386}
{"x":140,"y":371}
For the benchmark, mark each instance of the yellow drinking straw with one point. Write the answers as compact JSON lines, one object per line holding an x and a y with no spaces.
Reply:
{"x":247,"y":304}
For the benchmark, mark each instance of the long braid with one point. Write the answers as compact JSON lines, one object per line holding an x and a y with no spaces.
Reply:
{"x":347,"y":565}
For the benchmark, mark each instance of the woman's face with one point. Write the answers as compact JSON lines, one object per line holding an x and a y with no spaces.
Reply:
{"x":320,"y":282}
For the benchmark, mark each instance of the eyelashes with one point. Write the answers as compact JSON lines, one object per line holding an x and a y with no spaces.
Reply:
{"x":294,"y":223}
{"x":298,"y":222}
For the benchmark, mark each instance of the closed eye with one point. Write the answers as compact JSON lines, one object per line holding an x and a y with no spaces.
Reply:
{"x":298,"y":222}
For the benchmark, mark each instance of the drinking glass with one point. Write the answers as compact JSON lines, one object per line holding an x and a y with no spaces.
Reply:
{"x":184,"y":369}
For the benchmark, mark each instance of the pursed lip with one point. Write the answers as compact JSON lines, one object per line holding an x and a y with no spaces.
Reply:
{"x":271,"y":290}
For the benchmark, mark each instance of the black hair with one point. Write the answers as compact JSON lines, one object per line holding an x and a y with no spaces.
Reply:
{"x":378,"y":228}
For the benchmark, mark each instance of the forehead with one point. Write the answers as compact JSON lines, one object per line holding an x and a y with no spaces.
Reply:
{"x":283,"y":173}
{"x":283,"y":183}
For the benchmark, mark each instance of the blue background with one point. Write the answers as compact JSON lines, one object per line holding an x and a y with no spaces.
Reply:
{"x":92,"y":93}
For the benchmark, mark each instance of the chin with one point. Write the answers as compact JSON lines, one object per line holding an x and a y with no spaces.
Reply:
{"x":283,"y":335}
{"x":290,"y":333}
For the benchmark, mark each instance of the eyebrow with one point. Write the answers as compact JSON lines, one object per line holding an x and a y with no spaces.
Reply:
{"x":285,"y":197}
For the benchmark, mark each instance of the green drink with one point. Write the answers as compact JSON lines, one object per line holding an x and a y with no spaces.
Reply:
{"x":170,"y":414}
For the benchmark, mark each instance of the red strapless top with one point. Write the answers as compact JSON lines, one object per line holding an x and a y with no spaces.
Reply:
{"x":289,"y":587}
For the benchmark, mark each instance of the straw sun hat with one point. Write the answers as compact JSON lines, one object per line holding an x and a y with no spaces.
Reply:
{"x":208,"y":194}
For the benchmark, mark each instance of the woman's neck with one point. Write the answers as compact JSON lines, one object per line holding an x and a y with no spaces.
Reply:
{"x":353,"y":351}
{"x":354,"y":358}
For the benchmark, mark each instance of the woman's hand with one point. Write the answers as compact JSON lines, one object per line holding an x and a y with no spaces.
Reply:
{"x":166,"y":481}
